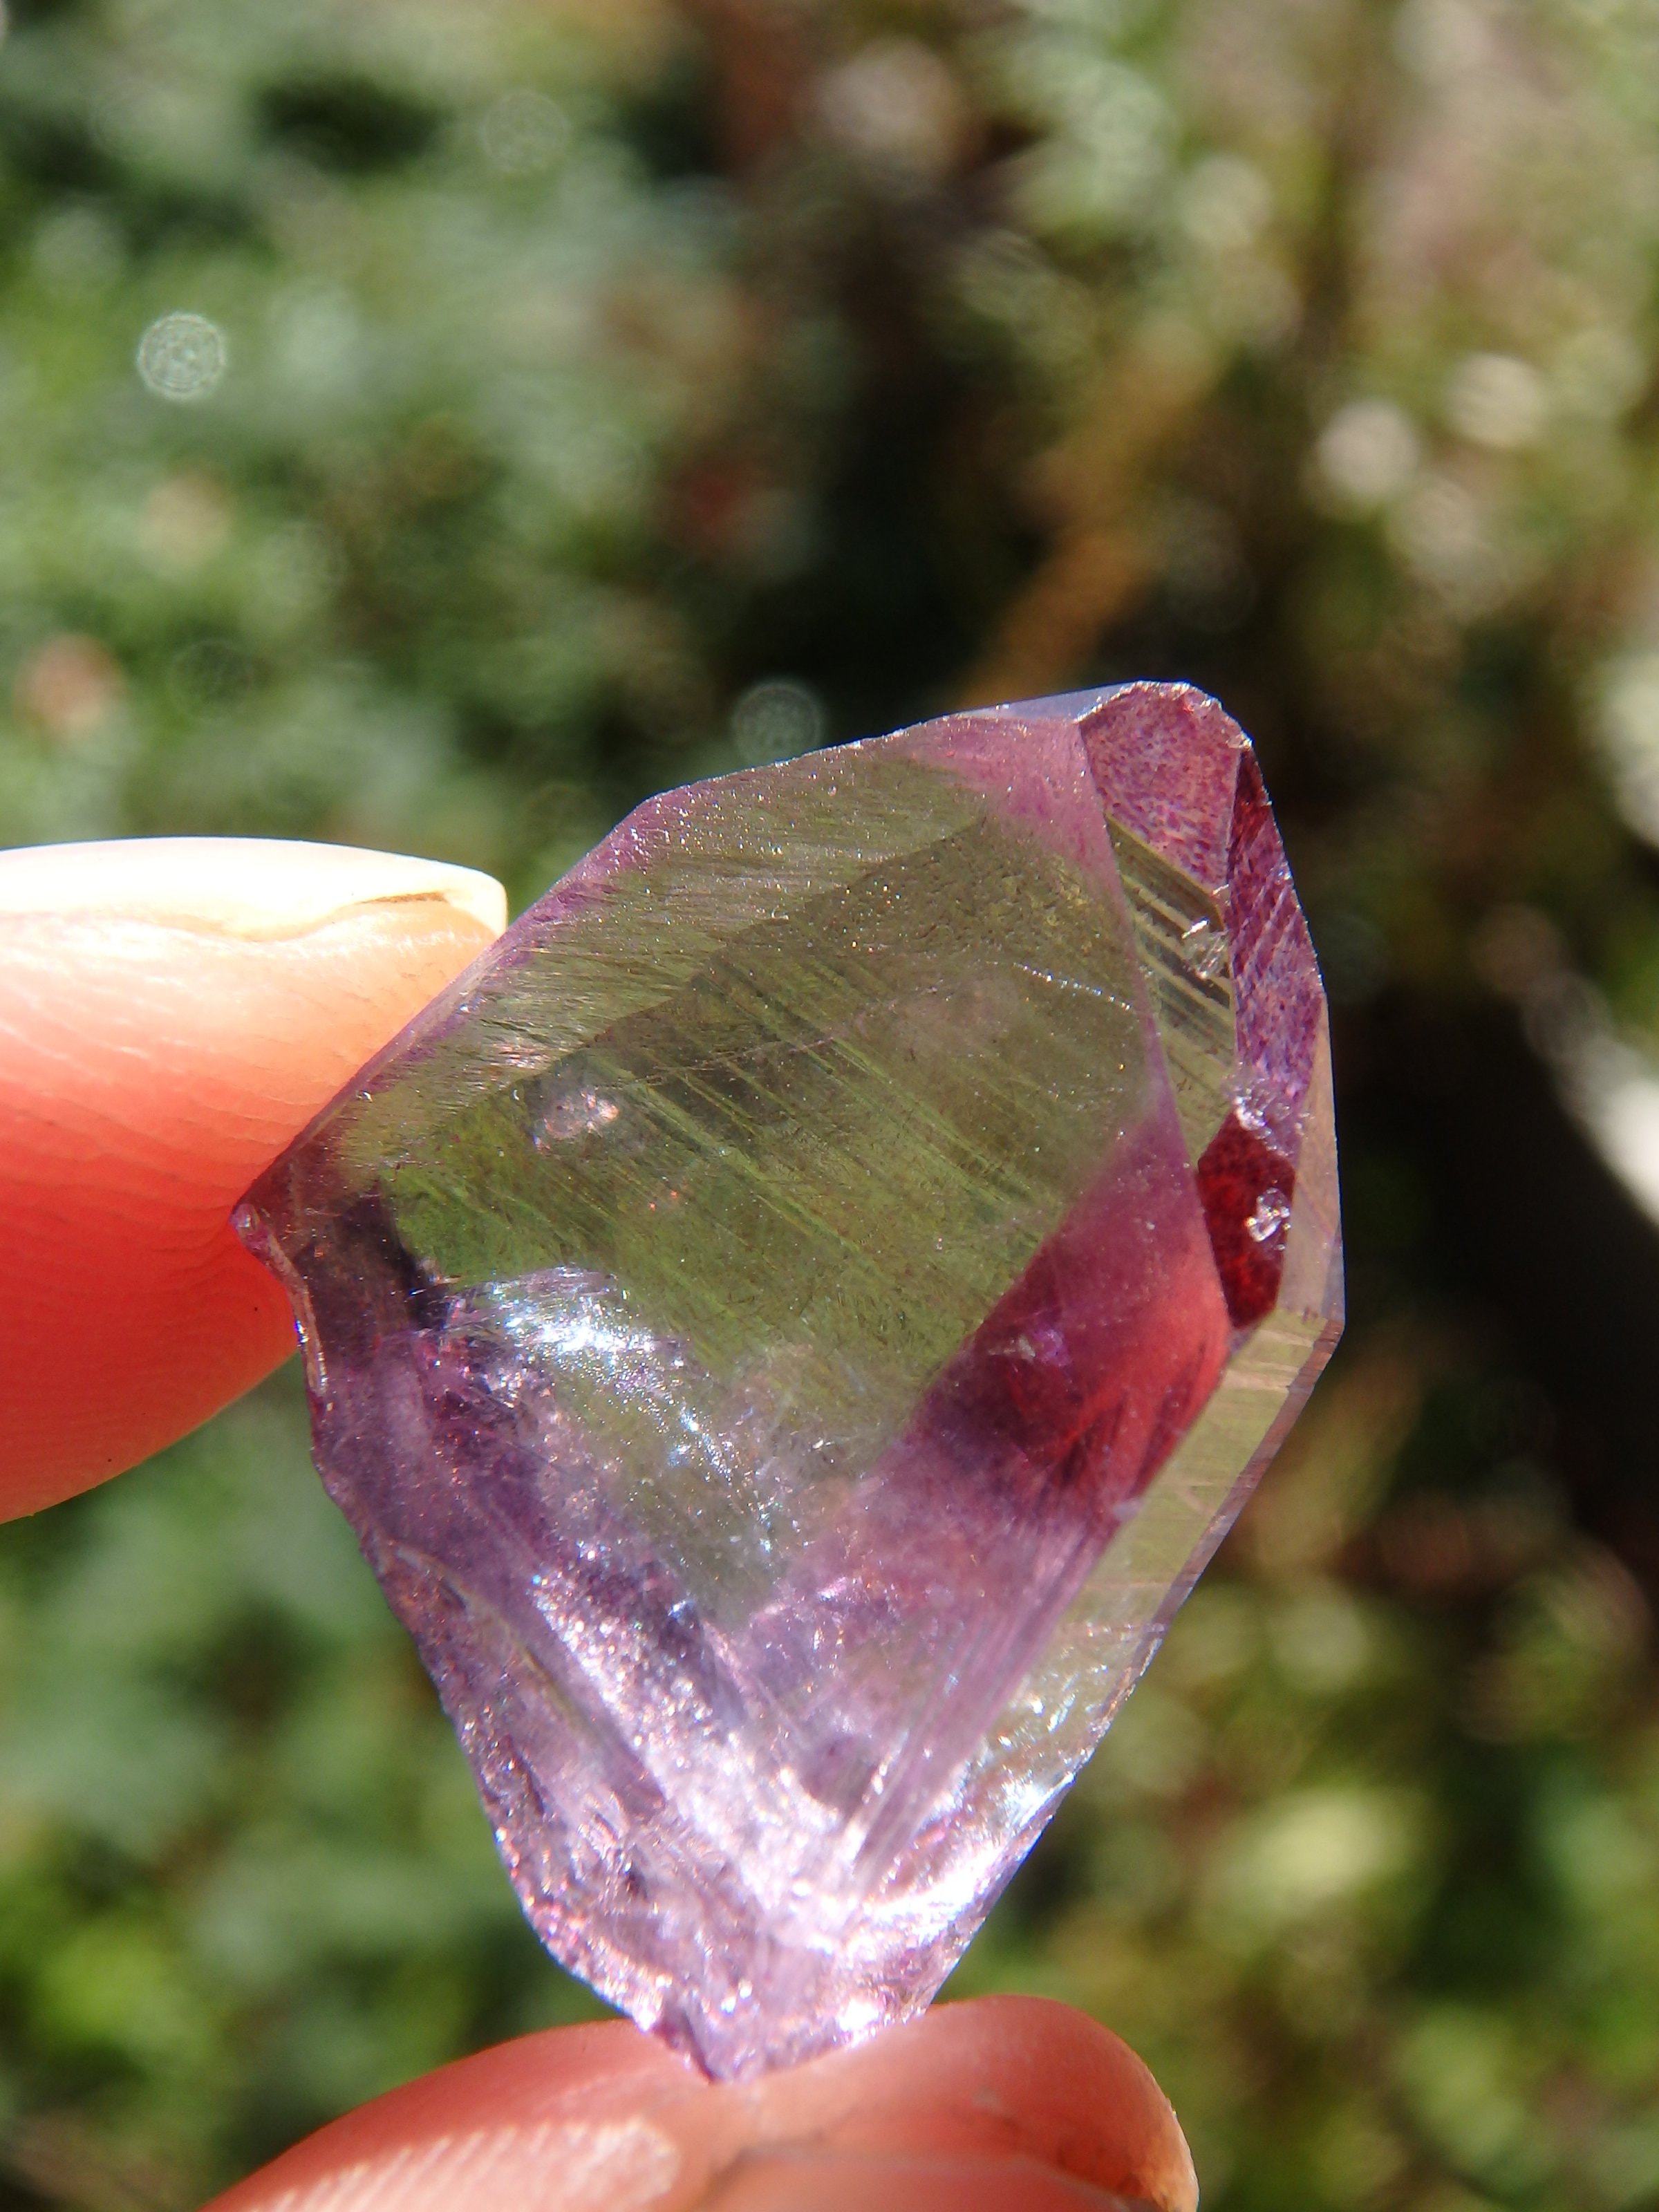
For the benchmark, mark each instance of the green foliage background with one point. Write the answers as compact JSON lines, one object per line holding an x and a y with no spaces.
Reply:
{"x":600,"y":394}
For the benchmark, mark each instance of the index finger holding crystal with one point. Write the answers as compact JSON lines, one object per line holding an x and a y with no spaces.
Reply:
{"x":1000,"y":2105}
{"x":173,"y":1012}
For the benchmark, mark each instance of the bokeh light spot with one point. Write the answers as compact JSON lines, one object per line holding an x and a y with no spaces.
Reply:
{"x":1493,"y":400}
{"x":776,"y":720}
{"x":1367,"y":451}
{"x":182,"y":356}
{"x":523,"y":132}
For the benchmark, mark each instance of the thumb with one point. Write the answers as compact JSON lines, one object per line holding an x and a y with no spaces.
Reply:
{"x":999,"y":2105}
{"x":172,"y":1013}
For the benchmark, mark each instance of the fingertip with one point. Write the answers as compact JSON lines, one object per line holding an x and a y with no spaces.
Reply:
{"x":171,"y":1015}
{"x":1004,"y":2105}
{"x":999,"y":2077}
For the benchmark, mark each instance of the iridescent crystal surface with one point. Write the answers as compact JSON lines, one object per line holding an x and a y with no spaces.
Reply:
{"x":789,"y":1326}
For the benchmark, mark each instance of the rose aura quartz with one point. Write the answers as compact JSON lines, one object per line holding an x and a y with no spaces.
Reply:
{"x":790,"y":1324}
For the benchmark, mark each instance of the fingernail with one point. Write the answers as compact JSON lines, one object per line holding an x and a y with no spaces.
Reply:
{"x":251,"y":887}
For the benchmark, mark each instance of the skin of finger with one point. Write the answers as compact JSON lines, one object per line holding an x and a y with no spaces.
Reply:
{"x":148,"y":1070}
{"x":551,"y":2096}
{"x":1003,"y":2077}
{"x":1015,"y":2086}
{"x":809,"y":2182}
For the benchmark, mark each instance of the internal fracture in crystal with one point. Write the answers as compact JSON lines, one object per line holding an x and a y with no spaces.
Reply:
{"x":789,"y":1326}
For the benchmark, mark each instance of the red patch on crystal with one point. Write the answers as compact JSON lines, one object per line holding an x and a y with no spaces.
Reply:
{"x":1245,"y":1187}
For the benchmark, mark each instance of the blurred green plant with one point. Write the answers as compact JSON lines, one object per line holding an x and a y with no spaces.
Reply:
{"x":435,"y":429}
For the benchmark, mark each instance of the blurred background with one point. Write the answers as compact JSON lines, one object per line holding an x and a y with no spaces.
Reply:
{"x":436,"y":427}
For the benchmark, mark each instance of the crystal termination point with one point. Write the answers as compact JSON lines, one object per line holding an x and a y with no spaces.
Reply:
{"x":789,"y":1326}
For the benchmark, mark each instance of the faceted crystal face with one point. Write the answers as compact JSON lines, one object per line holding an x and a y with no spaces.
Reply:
{"x":789,"y":1326}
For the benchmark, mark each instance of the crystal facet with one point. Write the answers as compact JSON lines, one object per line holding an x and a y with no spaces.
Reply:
{"x":790,"y":1324}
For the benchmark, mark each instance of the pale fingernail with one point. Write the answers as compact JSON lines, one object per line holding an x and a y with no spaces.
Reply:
{"x":252,"y":887}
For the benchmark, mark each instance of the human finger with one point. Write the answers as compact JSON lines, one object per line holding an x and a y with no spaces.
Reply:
{"x":172,"y":1013}
{"x":1016,"y":2105}
{"x":817,"y":2181}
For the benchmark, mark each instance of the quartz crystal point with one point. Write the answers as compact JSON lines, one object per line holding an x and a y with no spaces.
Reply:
{"x":789,"y":1326}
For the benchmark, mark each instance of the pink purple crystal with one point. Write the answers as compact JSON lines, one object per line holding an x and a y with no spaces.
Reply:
{"x":790,"y":1324}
